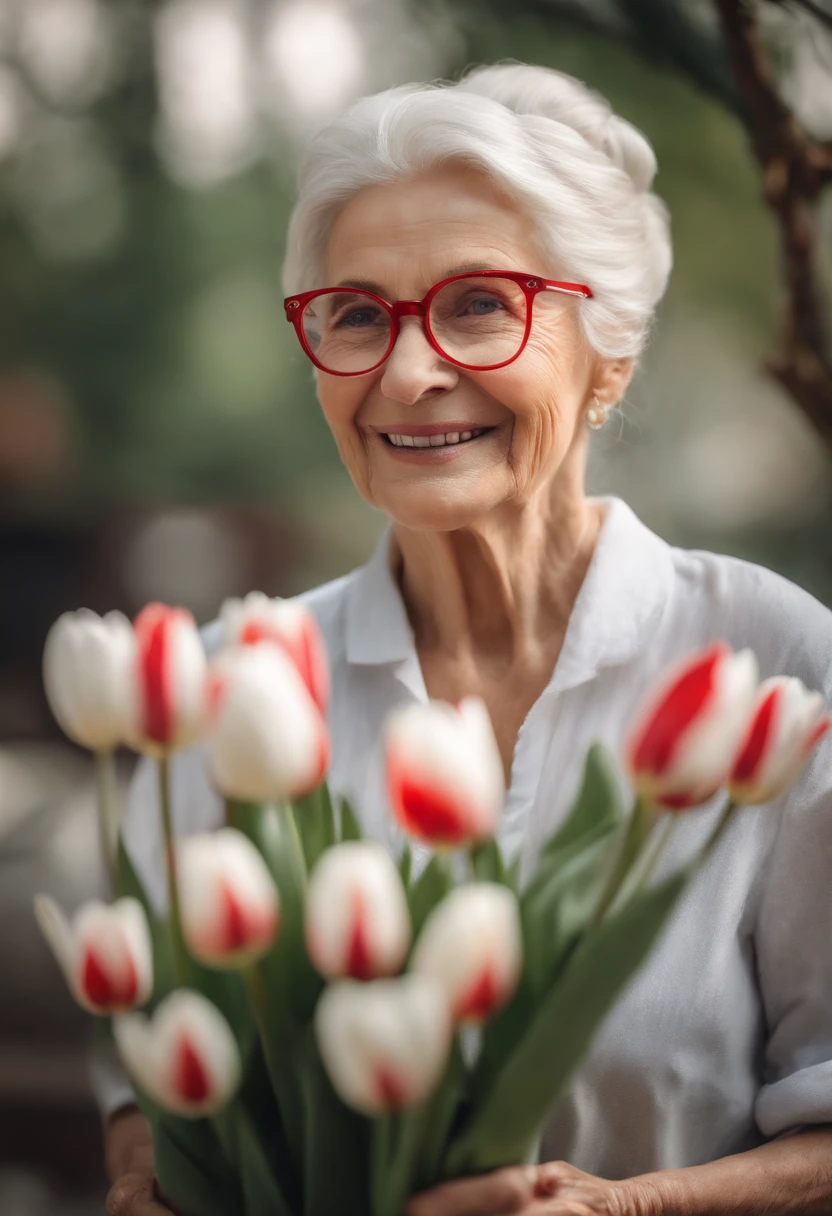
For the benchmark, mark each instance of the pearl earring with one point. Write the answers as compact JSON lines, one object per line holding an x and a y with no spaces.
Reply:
{"x":596,"y":415}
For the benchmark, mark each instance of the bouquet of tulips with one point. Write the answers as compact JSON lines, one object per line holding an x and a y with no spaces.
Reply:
{"x":324,"y":1029}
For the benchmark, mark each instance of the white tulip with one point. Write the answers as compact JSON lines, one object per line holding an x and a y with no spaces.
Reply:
{"x":357,"y":921}
{"x":105,"y":952}
{"x":184,"y":1057}
{"x":471,"y":944}
{"x":787,"y":724}
{"x":267,"y":739}
{"x":228,"y":901}
{"x":444,"y":772}
{"x":257,"y":618}
{"x":87,"y":665}
{"x":687,"y":730}
{"x":169,"y":681}
{"x":385,"y":1043}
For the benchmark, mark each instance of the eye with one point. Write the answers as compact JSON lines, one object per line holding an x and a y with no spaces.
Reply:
{"x":484,"y":305}
{"x":357,"y":317}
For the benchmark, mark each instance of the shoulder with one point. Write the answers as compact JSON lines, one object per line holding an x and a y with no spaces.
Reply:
{"x":788,"y":628}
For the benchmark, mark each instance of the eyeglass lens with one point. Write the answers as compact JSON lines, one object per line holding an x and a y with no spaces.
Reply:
{"x":475,"y":320}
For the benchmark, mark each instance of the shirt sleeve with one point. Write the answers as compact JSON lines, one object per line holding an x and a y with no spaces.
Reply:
{"x":793,"y":948}
{"x":196,"y":807}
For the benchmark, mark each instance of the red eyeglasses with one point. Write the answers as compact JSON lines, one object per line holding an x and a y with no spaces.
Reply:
{"x":479,"y":321}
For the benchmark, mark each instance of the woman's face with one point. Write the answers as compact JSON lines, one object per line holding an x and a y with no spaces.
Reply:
{"x":404,"y":236}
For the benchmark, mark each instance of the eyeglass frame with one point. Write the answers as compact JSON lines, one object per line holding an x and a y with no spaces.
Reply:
{"x":531,"y":286}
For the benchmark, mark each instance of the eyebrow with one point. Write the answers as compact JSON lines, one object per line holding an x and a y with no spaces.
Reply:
{"x":377,"y":289}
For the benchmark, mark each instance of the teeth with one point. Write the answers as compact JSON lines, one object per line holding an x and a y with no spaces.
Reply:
{"x":433,"y":441}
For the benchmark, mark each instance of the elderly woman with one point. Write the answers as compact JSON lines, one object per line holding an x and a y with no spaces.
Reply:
{"x":473,"y":269}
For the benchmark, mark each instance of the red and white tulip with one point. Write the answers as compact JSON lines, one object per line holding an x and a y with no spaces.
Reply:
{"x":87,"y":663}
{"x":384,"y":1043}
{"x":105,"y":952}
{"x":267,"y":739}
{"x":228,"y":901}
{"x":169,"y":681}
{"x":690,"y":726}
{"x":185,"y":1056}
{"x":257,"y":618}
{"x":357,"y":921}
{"x":472,"y":945}
{"x":445,"y":776}
{"x":787,"y":724}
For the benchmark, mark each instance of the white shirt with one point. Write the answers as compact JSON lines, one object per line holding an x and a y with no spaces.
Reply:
{"x":724,"y":1038}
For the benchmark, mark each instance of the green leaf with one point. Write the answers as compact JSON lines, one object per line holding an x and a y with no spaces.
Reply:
{"x":510,"y":1118}
{"x":557,"y":905}
{"x":350,"y":827}
{"x":432,"y":885}
{"x":262,"y":1192}
{"x":445,"y":1105}
{"x":192,"y":1171}
{"x":315,"y":818}
{"x":406,"y":865}
{"x":129,"y":884}
{"x":291,"y":983}
{"x":598,"y":806}
{"x":336,"y":1143}
{"x":395,"y":1174}
{"x":489,"y":864}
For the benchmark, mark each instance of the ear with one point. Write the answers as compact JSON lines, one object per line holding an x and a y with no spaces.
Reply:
{"x":609,"y":384}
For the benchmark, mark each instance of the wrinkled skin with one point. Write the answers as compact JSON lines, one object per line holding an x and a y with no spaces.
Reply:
{"x":553,"y":1189}
{"x":404,"y":236}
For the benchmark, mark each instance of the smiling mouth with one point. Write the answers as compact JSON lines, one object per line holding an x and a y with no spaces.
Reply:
{"x":452,"y":439}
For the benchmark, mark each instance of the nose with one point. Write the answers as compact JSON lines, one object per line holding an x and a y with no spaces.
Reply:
{"x":413,"y":367}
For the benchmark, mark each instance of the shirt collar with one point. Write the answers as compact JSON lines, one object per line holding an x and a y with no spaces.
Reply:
{"x":616,"y":612}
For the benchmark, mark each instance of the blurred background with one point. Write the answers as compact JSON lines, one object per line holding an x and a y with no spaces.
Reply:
{"x":159,"y":433}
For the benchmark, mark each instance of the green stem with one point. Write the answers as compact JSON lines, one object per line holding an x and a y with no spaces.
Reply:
{"x":638,"y":830}
{"x":108,"y":816}
{"x":180,"y":961}
{"x":255,"y":983}
{"x":286,"y":811}
{"x":731,"y":808}
{"x":663,"y":836}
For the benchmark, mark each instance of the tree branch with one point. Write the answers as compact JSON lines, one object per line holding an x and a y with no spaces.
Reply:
{"x":795,"y":168}
{"x":822,"y":15}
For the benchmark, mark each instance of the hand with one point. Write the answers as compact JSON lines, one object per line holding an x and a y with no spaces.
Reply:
{"x":136,"y":1192}
{"x":553,"y":1189}
{"x":130,"y":1165}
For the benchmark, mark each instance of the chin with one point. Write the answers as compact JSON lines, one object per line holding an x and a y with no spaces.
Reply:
{"x":424,"y":512}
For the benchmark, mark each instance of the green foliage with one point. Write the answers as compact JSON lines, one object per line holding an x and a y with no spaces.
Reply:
{"x":350,"y":828}
{"x":336,"y":1143}
{"x":507,"y":1126}
{"x":432,"y":885}
{"x":315,"y":818}
{"x":287,"y":1145}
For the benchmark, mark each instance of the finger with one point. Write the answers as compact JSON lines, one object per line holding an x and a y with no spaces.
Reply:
{"x":132,"y":1195}
{"x":497,"y":1194}
{"x":551,"y":1177}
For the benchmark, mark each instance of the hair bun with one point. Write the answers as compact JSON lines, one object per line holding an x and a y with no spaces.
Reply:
{"x":547,"y":93}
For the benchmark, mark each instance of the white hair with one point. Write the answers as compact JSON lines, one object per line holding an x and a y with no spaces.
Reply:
{"x":580,"y":173}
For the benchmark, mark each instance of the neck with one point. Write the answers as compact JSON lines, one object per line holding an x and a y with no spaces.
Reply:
{"x":501,"y":588}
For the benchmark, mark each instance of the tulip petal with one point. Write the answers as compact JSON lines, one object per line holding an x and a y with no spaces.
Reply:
{"x":677,"y":708}
{"x":383,"y":1043}
{"x":229,"y":903}
{"x":471,"y":945}
{"x":357,"y":921}
{"x":267,"y":739}
{"x":185,"y":1057}
{"x":58,"y":933}
{"x":444,"y":772}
